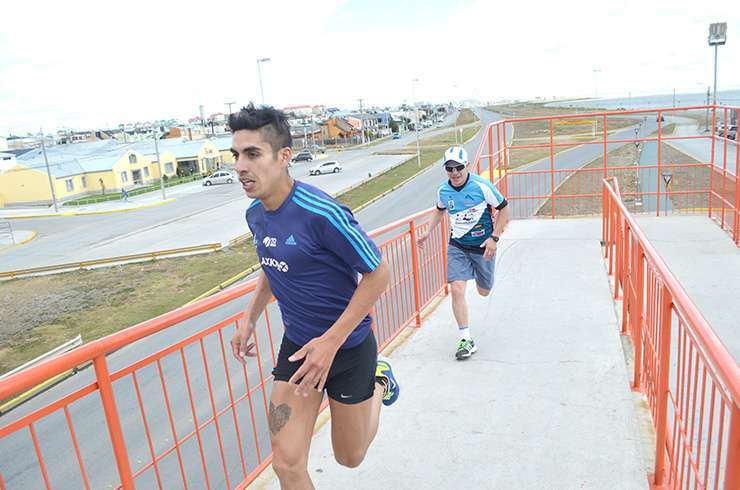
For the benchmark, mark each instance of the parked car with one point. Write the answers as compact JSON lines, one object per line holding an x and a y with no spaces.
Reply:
{"x":396,"y":136}
{"x":302,"y":156}
{"x":325,"y":168}
{"x":318,"y":149}
{"x":219,"y":177}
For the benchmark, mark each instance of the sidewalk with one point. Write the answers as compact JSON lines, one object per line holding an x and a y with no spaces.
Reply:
{"x":707,"y":264}
{"x":117,"y":205}
{"x":545,"y":403}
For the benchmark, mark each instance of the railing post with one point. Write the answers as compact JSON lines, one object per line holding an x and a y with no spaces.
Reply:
{"x":659,"y":177}
{"x":732,"y":469}
{"x":490,"y":153}
{"x":415,"y":272}
{"x":552,"y":174}
{"x":445,"y":235}
{"x":661,"y":409}
{"x":636,"y":323}
{"x":114,"y":423}
{"x":618,"y":259}
{"x":711,"y":163}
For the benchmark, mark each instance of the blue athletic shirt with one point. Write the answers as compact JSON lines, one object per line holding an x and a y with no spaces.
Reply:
{"x":470,"y":206}
{"x":311,"y":249}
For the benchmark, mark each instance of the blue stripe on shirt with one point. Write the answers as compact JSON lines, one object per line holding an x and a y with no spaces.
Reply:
{"x":368,"y":261}
{"x":338,"y":213}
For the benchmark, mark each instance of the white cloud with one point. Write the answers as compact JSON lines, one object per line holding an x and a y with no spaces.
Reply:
{"x":80,"y":63}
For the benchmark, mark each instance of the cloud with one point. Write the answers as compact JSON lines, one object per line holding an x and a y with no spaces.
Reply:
{"x":80,"y":65}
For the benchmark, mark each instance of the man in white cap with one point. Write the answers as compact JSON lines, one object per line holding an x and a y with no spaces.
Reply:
{"x":470,"y":200}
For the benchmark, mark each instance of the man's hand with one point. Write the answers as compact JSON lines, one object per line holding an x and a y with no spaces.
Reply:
{"x":240,"y":346}
{"x":319,"y":354}
{"x":490,"y":247}
{"x":422,"y":238}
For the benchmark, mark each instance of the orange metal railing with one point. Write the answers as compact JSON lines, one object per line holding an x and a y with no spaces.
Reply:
{"x":558,"y":184}
{"x":691,"y":382}
{"x":187,"y":413}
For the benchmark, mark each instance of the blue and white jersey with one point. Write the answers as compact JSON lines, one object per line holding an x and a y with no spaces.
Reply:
{"x":470,"y":208}
{"x":311,"y":249}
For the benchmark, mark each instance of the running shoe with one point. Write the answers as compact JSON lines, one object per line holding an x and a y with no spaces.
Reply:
{"x":384,"y":374}
{"x":465,"y":349}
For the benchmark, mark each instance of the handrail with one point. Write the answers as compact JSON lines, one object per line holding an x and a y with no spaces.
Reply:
{"x":728,"y":369}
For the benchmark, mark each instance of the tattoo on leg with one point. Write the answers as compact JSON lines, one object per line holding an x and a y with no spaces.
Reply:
{"x":278,"y":417}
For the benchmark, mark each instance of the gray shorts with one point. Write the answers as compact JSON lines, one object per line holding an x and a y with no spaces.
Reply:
{"x":464,"y":266}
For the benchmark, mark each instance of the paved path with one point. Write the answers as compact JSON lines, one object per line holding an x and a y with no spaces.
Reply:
{"x":545,"y":403}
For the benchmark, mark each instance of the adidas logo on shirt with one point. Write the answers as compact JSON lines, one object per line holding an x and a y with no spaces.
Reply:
{"x":290,"y":240}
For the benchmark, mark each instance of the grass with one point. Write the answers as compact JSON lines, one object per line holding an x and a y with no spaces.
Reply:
{"x":571,"y":131}
{"x":43,"y":312}
{"x":586,"y":182}
{"x":40,"y":313}
{"x":116,"y":196}
{"x":466,"y":116}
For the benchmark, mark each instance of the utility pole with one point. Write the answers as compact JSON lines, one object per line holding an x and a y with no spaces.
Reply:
{"x":259,"y":75}
{"x":717,"y":37}
{"x":706,"y":118}
{"x":229,"y":104}
{"x":48,"y":173}
{"x":416,"y":123}
{"x":596,"y":82}
{"x":674,"y":97}
{"x":159,"y":162}
{"x":362,"y":122}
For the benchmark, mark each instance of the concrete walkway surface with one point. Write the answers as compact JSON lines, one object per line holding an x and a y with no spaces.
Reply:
{"x":707,"y":264}
{"x":545,"y":402}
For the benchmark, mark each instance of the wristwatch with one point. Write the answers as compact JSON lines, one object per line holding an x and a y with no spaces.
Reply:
{"x":495,"y":238}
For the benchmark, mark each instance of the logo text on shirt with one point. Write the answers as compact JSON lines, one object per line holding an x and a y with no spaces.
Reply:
{"x":274,"y":263}
{"x":269,"y":242}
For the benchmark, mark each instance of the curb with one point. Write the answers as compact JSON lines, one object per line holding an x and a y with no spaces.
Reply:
{"x":22,"y":242}
{"x":86,"y":213}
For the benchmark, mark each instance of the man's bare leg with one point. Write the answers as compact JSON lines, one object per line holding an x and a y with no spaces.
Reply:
{"x":291,"y":420}
{"x":353,"y":428}
{"x":459,"y":305}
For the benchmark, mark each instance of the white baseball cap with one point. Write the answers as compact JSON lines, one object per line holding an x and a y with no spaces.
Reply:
{"x":455,"y":154}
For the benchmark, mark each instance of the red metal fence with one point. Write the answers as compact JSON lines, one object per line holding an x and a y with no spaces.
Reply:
{"x":187,"y":414}
{"x":663,"y":164}
{"x":691,"y":382}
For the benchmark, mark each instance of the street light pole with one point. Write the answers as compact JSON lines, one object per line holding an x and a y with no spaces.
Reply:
{"x":159,"y":162}
{"x":596,"y":82}
{"x":48,"y":173}
{"x":362,"y":123}
{"x":259,"y":75}
{"x":229,"y":104}
{"x":416,"y":124}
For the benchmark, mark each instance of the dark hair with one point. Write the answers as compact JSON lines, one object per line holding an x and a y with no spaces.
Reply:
{"x":271,"y":122}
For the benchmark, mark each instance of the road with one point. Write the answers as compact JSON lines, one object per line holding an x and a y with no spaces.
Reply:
{"x":199,"y":215}
{"x":19,"y":470}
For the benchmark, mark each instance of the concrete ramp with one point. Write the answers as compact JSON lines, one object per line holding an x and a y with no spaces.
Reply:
{"x":545,"y":402}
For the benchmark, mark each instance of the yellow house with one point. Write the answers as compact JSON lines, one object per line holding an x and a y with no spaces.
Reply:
{"x":100,"y":167}
{"x":223,"y":144}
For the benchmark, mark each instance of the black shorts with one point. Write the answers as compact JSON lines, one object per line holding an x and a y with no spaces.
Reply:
{"x":351,"y":376}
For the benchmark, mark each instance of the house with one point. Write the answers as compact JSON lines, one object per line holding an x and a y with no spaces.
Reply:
{"x":337,"y":128}
{"x":98,"y":167}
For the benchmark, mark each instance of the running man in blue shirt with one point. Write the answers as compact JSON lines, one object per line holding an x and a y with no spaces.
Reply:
{"x":470,"y":201}
{"x":312,"y":251}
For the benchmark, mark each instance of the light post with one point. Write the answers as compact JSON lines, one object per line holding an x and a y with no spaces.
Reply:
{"x":362,"y":123}
{"x":416,"y":123}
{"x":155,"y":134}
{"x":48,"y":172}
{"x":717,"y":37}
{"x":229,"y":104}
{"x":596,"y":82}
{"x":259,"y":75}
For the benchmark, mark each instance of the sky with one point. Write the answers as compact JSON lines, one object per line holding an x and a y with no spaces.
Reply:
{"x":81,"y":64}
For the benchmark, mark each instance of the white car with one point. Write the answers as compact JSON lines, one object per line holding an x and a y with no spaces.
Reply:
{"x":219,"y":177}
{"x":325,"y":168}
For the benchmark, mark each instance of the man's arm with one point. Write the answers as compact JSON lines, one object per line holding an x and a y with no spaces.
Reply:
{"x":319,"y":352}
{"x":436,"y":218}
{"x":499,"y":225}
{"x":262,"y":295}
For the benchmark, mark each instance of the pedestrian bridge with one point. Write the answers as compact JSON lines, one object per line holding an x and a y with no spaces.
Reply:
{"x":595,"y":369}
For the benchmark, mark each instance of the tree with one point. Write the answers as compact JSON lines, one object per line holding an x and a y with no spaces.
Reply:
{"x":393,"y":125}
